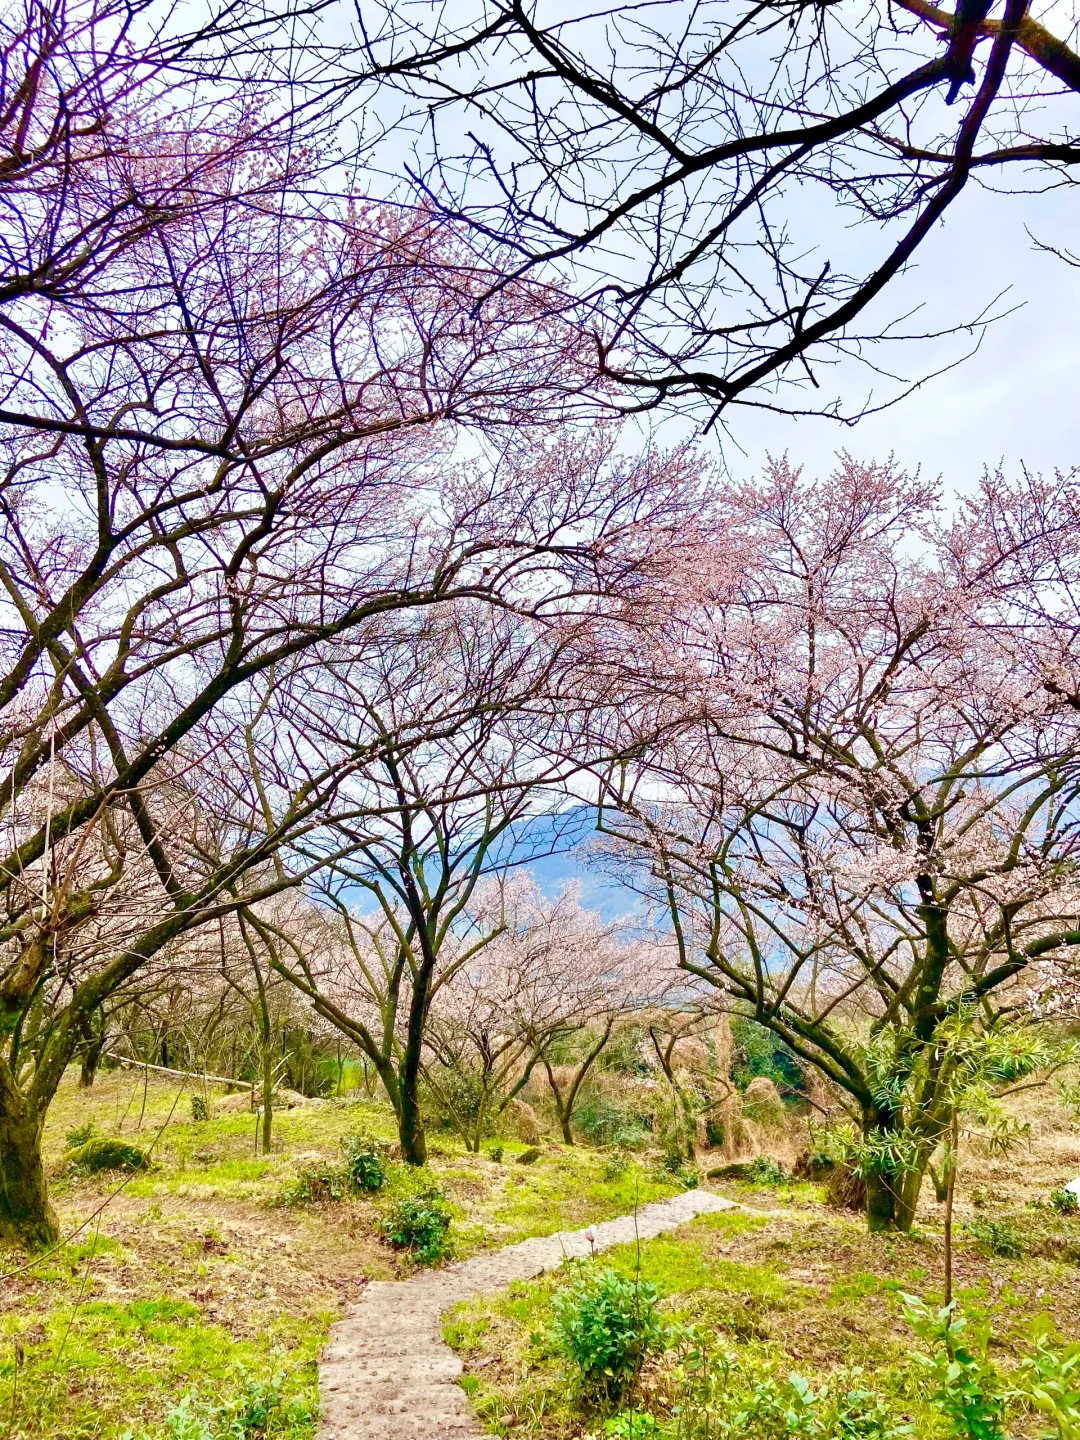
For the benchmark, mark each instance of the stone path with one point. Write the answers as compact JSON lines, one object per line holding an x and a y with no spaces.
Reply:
{"x":386,"y":1373}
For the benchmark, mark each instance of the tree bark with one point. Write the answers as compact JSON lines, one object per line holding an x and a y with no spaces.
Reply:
{"x":411,"y":1124}
{"x":26,"y":1217}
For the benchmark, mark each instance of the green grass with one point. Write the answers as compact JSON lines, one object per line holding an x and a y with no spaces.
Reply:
{"x":800,"y":1292}
{"x":200,"y":1281}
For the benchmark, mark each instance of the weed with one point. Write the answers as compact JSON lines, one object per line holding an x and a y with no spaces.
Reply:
{"x":81,"y":1134}
{"x":967,"y":1390}
{"x":635,"y":1425}
{"x":200,"y":1109}
{"x":1065,"y":1202}
{"x":495,"y":1152}
{"x":606,"y":1325}
{"x":314,"y":1184}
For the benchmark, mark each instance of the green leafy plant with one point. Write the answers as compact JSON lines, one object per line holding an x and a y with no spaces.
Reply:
{"x":1065,"y":1202}
{"x":420,"y":1224}
{"x":765,"y":1171}
{"x":81,"y":1134}
{"x":495,"y":1152}
{"x":616,"y":1165}
{"x":1049,"y":1383}
{"x":315,"y":1184}
{"x":998,"y":1237}
{"x":606,"y":1325}
{"x":200,"y":1108}
{"x":365,"y":1162}
{"x":635,"y":1425}
{"x":967,"y":1388}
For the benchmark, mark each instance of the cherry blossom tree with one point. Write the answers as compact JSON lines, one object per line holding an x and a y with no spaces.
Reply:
{"x":865,"y":835}
{"x":690,"y":170}
{"x":229,"y":403}
{"x":550,"y":969}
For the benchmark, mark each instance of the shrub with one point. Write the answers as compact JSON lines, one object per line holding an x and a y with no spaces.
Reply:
{"x":635,"y":1425}
{"x":759,"y":1052}
{"x":365,"y":1162}
{"x":967,"y":1388}
{"x":315,"y":1184}
{"x":101,"y":1153}
{"x":496,"y":1153}
{"x":419,"y":1224}
{"x":714,"y":1130}
{"x":200,"y":1108}
{"x":1050,"y":1384}
{"x":673,"y":1157}
{"x":618,"y":1162}
{"x":1065,"y":1202}
{"x":999,"y":1237}
{"x":604,"y":1123}
{"x":767,"y":1172}
{"x":606,"y":1325}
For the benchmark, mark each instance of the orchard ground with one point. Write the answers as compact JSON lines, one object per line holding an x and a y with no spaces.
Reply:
{"x":197,"y":1295}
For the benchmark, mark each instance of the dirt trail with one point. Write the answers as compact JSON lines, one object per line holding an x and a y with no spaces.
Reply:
{"x":386,"y":1373}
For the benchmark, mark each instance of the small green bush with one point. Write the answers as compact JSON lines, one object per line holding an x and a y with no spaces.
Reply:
{"x":420,"y":1224}
{"x":674,"y":1159}
{"x":602,"y":1122}
{"x":365,"y":1162}
{"x":315,"y":1184}
{"x":967,"y":1388}
{"x":1065,"y":1202}
{"x":606,"y":1325}
{"x":998,"y":1237}
{"x":260,"y":1412}
{"x":765,"y":1171}
{"x":495,"y":1152}
{"x":616,"y":1165}
{"x":102,"y":1153}
{"x":635,"y":1425}
{"x":200,"y":1108}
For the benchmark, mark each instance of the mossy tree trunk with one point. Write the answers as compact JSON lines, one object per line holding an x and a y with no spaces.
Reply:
{"x":26,"y":1216}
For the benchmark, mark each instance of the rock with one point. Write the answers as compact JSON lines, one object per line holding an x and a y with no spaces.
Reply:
{"x":729,"y":1172}
{"x":762,"y":1104}
{"x":239,"y":1100}
{"x":102,"y":1153}
{"x":529,"y":1157}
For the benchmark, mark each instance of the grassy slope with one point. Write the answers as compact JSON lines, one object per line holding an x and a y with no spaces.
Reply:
{"x":796,"y":1286}
{"x":192,"y":1279}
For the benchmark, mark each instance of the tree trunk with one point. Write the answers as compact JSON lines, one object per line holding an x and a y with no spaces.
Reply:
{"x":91,"y":1058}
{"x":907,"y":1186}
{"x":93,"y":1042}
{"x":880,"y":1202}
{"x":411,"y":1125}
{"x":267,"y":1097}
{"x":26,"y":1217}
